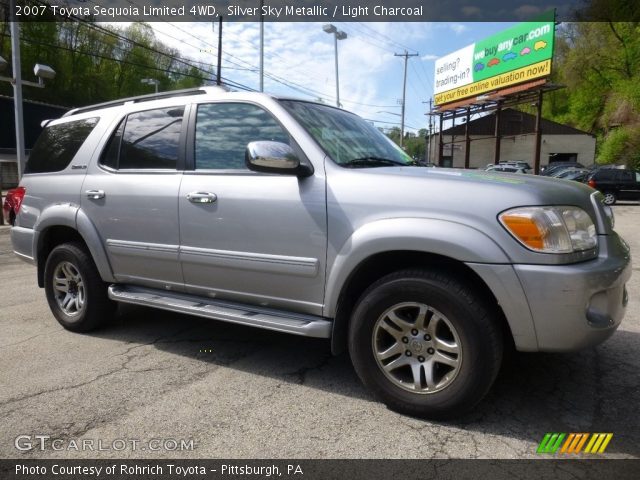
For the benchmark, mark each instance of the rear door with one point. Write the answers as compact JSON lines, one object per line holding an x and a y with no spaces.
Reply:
{"x":256,"y":238}
{"x":131,"y":195}
{"x":628,"y":185}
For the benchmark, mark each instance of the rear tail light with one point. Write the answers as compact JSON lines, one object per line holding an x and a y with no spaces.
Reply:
{"x":592,"y":183}
{"x":13,"y":202}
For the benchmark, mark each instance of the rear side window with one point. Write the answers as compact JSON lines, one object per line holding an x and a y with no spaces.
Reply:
{"x":148,"y":140}
{"x":605,"y":174}
{"x":58,"y":144}
{"x":626,"y":176}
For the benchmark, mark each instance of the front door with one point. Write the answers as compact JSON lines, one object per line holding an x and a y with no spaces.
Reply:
{"x":250,"y":237}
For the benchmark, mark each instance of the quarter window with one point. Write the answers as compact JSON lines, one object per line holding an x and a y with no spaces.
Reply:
{"x":223,"y":131}
{"x":58,"y":144}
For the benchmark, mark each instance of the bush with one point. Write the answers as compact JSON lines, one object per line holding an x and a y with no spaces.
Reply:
{"x":621,"y":146}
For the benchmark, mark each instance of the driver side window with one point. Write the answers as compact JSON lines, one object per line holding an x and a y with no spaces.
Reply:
{"x":223,"y":131}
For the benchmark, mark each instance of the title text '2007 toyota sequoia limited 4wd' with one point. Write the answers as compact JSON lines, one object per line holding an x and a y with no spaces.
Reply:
{"x":303,"y":218}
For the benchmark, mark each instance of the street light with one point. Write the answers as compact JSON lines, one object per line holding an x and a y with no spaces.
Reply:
{"x":337,"y":35}
{"x":42,"y":72}
{"x":151,"y":81}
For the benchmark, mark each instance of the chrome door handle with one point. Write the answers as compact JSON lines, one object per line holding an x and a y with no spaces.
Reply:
{"x":95,"y":194}
{"x":202,"y":197}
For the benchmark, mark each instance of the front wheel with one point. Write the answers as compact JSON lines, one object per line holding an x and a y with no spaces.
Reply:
{"x":425,"y":344}
{"x":76,"y":294}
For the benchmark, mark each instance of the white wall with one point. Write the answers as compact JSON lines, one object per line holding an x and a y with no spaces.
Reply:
{"x":519,"y":147}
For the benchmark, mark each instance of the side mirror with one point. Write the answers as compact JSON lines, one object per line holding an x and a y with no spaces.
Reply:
{"x":274,"y":157}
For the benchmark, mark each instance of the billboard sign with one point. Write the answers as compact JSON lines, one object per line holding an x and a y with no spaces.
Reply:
{"x":516,"y":55}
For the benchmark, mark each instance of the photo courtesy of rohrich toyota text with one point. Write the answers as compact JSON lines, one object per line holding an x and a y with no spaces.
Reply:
{"x":323,"y":239}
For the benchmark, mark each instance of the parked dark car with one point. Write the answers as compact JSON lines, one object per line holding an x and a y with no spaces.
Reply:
{"x":555,"y":166}
{"x":577,"y":174}
{"x":615,"y":184}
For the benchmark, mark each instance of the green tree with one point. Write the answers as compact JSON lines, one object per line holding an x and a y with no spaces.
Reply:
{"x":98,"y":63}
{"x":599,"y":62}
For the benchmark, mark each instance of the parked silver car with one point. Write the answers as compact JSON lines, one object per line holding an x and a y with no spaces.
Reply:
{"x":303,"y":218}
{"x":505,"y":169}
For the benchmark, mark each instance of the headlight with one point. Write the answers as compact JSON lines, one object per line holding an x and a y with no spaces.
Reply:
{"x":551,"y":229}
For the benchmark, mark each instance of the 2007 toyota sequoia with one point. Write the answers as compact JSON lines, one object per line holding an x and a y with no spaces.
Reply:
{"x":303,"y":218}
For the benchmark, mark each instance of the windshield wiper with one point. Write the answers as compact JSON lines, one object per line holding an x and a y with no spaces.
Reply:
{"x":373,"y":162}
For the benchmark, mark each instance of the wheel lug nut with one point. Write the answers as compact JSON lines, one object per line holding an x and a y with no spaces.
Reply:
{"x":405,"y":340}
{"x":421,"y":359}
{"x":430,"y":351}
{"x":414,"y":332}
{"x":407,"y":353}
{"x":427,"y":337}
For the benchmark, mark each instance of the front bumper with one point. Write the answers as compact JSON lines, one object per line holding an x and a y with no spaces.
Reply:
{"x":578,"y":305}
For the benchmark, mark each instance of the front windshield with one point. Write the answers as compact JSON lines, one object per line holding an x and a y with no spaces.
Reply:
{"x":349,"y":140}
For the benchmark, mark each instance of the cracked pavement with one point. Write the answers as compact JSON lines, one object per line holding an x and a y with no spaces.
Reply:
{"x":239,"y":392}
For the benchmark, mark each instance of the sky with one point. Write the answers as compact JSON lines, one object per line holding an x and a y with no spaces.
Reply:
{"x":302,"y":54}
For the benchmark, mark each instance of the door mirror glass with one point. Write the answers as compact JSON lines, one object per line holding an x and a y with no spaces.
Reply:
{"x":274,"y":157}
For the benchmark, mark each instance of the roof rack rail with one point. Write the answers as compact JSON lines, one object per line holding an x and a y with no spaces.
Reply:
{"x":148,"y":98}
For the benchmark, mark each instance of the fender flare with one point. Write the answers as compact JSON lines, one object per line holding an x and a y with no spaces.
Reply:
{"x":71,"y":216}
{"x":442,"y":237}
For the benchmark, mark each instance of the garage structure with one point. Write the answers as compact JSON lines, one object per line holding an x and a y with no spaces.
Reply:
{"x":516,"y":131}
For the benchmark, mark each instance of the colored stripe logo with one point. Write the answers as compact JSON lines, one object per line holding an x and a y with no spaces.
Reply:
{"x":573,"y":443}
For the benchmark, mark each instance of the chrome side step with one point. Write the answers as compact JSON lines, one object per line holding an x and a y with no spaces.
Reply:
{"x":270,"y":319}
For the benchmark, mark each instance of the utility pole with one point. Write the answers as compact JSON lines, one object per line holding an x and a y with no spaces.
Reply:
{"x":427,"y":153}
{"x":406,"y":56}
{"x":431,"y":132}
{"x":17,"y":89}
{"x":219,"y":75}
{"x":261,"y":47}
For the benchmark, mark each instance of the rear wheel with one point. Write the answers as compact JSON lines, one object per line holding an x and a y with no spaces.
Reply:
{"x":425,"y":344}
{"x":76,"y":294}
{"x":610,"y":198}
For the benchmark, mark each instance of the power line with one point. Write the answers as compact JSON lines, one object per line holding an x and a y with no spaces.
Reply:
{"x":388,"y":123}
{"x":104,"y":57}
{"x":150,"y":48}
{"x":420,"y":78}
{"x":378,"y":44}
{"x":287,"y":83}
{"x":396,"y":44}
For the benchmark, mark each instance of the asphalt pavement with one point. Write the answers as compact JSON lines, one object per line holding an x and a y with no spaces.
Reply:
{"x":155,"y":384}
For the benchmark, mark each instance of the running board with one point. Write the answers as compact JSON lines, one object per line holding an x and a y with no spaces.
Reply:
{"x":270,"y":319}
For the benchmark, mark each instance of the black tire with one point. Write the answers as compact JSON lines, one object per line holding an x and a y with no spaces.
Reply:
{"x":610,"y":198}
{"x":464,"y":319}
{"x":95,"y":307}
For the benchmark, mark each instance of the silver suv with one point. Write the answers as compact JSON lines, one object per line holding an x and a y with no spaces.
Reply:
{"x":303,"y":218}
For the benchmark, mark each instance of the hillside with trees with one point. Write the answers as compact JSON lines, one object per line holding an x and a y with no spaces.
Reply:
{"x":599,"y":63}
{"x":96,"y":63}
